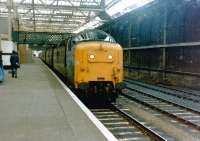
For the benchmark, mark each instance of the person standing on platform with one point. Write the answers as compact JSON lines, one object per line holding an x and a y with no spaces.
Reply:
{"x":14,"y":61}
{"x":1,"y":68}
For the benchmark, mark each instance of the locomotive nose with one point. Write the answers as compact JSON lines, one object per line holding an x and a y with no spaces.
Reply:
{"x":100,"y":62}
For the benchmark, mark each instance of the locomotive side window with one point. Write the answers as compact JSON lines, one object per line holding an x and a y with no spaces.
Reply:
{"x":69,"y":47}
{"x":58,"y":53}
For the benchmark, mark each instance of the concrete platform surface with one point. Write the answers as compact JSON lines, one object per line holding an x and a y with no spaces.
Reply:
{"x":35,"y":107}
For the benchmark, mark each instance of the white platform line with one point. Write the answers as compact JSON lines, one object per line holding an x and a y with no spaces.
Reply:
{"x":109,"y":136}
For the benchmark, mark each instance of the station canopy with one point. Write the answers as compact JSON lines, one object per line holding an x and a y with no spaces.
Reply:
{"x":64,"y":15}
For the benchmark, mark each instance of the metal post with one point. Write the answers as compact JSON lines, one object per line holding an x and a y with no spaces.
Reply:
{"x":129,"y":35}
{"x":129,"y":45}
{"x":129,"y":57}
{"x":9,"y":6}
{"x":33,"y":8}
{"x":17,"y":33}
{"x":164,"y":42}
{"x":165,"y":27}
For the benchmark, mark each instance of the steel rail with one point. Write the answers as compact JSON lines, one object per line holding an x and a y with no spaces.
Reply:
{"x":195,"y":97}
{"x":147,"y":132}
{"x":189,"y":105}
{"x":172,"y":115}
{"x":142,"y":127}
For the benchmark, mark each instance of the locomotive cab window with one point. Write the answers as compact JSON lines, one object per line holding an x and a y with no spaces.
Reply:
{"x":92,"y":35}
{"x":71,"y":43}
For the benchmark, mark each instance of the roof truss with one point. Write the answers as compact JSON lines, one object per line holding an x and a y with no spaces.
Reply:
{"x":51,"y":15}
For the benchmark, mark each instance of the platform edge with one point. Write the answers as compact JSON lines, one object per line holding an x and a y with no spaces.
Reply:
{"x":108,"y":135}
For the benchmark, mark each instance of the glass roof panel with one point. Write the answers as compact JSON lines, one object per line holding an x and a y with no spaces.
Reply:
{"x":67,"y":14}
{"x":124,"y":6}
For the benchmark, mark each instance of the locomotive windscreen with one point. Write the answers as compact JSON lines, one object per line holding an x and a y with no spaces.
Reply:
{"x":93,"y":35}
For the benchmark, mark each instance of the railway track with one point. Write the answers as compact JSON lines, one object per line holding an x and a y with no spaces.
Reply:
{"x":182,"y":114}
{"x":182,"y":90}
{"x":168,"y":95}
{"x":127,"y":127}
{"x":174,"y":92}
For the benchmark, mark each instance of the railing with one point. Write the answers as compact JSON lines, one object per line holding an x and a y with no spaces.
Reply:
{"x":38,"y":37}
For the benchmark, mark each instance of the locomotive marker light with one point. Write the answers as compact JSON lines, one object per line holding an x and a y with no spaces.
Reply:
{"x":110,"y":57}
{"x":91,"y":56}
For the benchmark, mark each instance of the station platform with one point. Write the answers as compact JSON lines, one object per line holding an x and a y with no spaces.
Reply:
{"x":36,"y":107}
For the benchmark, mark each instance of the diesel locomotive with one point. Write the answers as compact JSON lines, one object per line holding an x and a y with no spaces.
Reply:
{"x":91,"y":61}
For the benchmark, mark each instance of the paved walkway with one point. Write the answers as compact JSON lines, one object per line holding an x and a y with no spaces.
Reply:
{"x":35,"y":107}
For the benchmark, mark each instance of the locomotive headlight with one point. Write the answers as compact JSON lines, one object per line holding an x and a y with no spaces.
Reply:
{"x":109,"y":56}
{"x":91,"y":56}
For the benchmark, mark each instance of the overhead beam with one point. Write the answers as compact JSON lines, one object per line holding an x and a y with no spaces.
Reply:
{"x":61,"y":7}
{"x":49,"y":21}
{"x":113,"y":2}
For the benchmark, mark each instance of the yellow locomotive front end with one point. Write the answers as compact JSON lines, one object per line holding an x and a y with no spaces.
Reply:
{"x":97,"y":64}
{"x":99,"y":67}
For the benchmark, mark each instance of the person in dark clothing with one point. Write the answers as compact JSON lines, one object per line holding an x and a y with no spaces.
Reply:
{"x":1,"y":68}
{"x":14,"y":61}
{"x":1,"y":61}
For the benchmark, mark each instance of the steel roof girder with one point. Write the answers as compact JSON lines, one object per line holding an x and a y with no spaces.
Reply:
{"x":46,"y":6}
